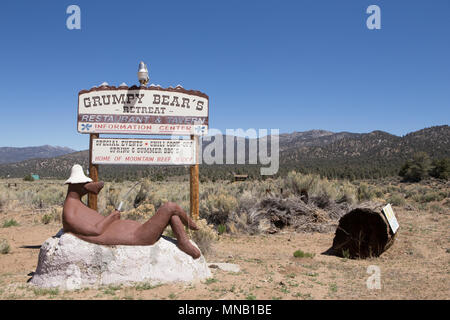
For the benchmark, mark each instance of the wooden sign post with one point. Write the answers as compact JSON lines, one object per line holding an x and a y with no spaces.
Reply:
{"x":93,"y":173}
{"x":194,"y":184}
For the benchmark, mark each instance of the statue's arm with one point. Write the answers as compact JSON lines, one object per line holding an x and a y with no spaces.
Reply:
{"x":85,"y":227}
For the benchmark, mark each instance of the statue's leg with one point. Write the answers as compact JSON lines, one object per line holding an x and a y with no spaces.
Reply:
{"x":94,"y":187}
{"x":178,"y":211}
{"x":182,"y":238}
{"x":149,"y":232}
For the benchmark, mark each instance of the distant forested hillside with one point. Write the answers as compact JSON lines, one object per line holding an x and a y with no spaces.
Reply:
{"x":334,"y":155}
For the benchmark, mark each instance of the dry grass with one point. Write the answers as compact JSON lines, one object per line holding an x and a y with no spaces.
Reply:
{"x":223,"y":201}
{"x":416,"y":267}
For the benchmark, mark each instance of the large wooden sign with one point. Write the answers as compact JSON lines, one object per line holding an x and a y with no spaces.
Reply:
{"x":143,"y":151}
{"x":142,"y":110}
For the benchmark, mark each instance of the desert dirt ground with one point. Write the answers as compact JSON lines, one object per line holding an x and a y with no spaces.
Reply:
{"x":417,"y":266}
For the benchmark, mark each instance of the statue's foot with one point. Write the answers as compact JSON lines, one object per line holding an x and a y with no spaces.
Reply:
{"x":191,"y":224}
{"x":187,"y":247}
{"x":184,"y":217}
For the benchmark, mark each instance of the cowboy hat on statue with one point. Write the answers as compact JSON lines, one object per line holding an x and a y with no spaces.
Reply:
{"x":77,"y":175}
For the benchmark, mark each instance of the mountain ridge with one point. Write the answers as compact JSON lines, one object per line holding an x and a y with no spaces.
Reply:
{"x":17,"y":154}
{"x":340,"y":154}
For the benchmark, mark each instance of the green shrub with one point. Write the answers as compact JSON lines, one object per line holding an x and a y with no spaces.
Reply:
{"x":211,"y":280}
{"x":300,"y":183}
{"x":346,"y":253}
{"x":28,"y":177}
{"x":365,"y":192}
{"x":46,"y":218}
{"x":437,"y":208}
{"x":422,"y":207}
{"x":216,"y":208}
{"x":144,"y":211}
{"x":46,"y":291}
{"x":417,"y":168}
{"x":301,"y":254}
{"x":397,"y":199}
{"x":250,"y":297}
{"x":47,"y":196}
{"x":146,"y":286}
{"x":204,"y":237}
{"x":111,"y":289}
{"x":4,"y":246}
{"x":347,"y":193}
{"x":57,"y":214}
{"x":441,"y":169}
{"x":10,"y":223}
{"x":378,"y":193}
{"x":392,"y":189}
{"x":411,"y":193}
{"x":321,"y":190}
{"x":221,"y":228}
{"x":429,"y":196}
{"x":3,"y":201}
{"x":333,"y":287}
{"x":247,"y":200}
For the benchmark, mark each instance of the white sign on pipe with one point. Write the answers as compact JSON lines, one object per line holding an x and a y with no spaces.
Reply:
{"x":390,"y":216}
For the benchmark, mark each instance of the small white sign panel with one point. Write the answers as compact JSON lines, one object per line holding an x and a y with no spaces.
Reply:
{"x":143,"y":151}
{"x":390,"y":216}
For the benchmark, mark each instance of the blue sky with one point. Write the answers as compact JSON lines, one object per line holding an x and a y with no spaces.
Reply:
{"x":292,"y":65}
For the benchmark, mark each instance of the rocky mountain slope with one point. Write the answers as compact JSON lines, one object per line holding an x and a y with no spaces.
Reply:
{"x":11,"y":154}
{"x":342,"y":154}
